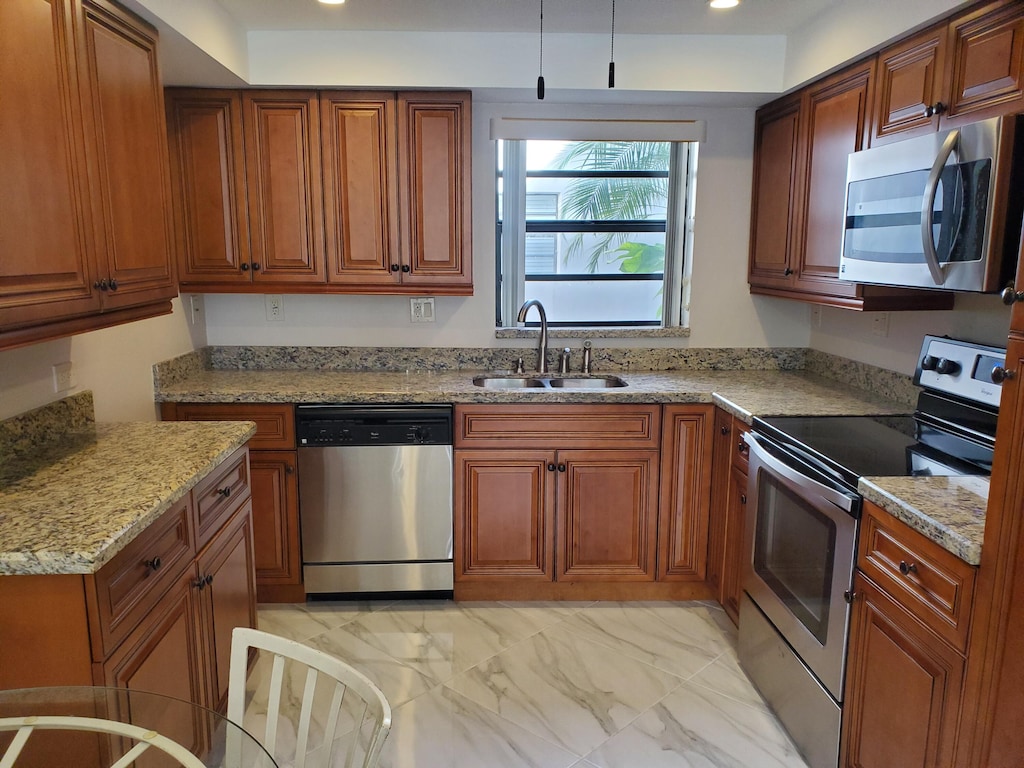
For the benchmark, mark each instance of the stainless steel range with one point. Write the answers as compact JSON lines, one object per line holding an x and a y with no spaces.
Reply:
{"x":800,"y":536}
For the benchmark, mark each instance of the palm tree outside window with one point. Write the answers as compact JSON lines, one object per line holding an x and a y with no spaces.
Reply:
{"x":591,"y":228}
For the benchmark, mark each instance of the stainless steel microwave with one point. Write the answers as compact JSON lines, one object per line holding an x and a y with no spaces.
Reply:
{"x":937,"y":211}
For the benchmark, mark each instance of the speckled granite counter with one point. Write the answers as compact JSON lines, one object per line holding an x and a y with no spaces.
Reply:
{"x":69,"y":505}
{"x":948,"y":510}
{"x":744,"y":393}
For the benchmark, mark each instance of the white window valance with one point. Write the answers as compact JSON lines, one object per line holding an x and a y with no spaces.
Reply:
{"x":597,"y":129}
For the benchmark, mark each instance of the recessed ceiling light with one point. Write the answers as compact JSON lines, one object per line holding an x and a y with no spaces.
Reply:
{"x":342,"y":2}
{"x":714,"y":3}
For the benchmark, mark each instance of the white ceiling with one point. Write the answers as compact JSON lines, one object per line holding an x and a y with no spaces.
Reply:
{"x":752,"y":17}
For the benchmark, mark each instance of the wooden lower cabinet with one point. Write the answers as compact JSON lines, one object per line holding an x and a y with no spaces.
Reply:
{"x":903,"y":687}
{"x":729,"y":457}
{"x":275,"y":490}
{"x":549,"y":504}
{"x":732,"y":564}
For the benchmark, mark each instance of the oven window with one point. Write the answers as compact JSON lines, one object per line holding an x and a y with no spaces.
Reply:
{"x":794,"y":551}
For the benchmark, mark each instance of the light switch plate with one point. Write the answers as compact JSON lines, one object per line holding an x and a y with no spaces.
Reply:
{"x":421,"y":310}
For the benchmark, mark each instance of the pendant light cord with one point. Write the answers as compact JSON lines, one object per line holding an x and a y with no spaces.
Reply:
{"x":611,"y":62}
{"x":540,"y":75}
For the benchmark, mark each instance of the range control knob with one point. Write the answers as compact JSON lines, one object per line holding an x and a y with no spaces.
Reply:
{"x":928,"y":362}
{"x":422,"y":434}
{"x":947,"y":366}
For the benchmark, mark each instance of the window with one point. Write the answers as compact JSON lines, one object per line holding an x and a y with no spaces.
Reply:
{"x":594,"y":229}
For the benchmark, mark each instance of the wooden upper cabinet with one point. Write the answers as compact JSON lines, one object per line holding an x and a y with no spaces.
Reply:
{"x":360,"y":159}
{"x":133,"y":196}
{"x":435,"y":188}
{"x":836,"y":113}
{"x":283,"y":174}
{"x":967,"y":69}
{"x":46,"y":268}
{"x":910,"y":79}
{"x":985,"y":75}
{"x":777,"y":167}
{"x":208,"y":183}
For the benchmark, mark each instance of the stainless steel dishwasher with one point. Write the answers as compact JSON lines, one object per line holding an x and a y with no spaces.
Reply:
{"x":375,"y":498}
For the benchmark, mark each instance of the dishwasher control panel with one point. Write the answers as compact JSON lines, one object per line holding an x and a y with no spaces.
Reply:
{"x":334,"y":425}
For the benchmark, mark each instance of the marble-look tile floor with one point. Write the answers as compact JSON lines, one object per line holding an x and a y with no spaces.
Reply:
{"x":550,"y":685}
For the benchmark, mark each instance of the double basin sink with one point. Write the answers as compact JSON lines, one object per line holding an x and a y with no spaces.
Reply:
{"x":549,"y":382}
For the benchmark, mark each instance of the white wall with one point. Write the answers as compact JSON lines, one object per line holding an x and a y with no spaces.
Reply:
{"x":723,"y":314}
{"x":115,"y":363}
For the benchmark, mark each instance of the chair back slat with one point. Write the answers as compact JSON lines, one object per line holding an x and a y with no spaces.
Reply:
{"x":131,"y":756}
{"x":17,"y":744}
{"x":375,"y":709}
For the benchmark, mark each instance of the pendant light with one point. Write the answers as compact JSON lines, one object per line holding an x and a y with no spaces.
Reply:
{"x":611,"y":61}
{"x":540,"y":76}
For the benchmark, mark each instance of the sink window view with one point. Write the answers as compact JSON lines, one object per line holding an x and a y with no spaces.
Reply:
{"x":598,"y":232}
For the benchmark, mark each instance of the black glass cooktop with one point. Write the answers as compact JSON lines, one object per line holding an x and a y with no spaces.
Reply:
{"x":878,"y":446}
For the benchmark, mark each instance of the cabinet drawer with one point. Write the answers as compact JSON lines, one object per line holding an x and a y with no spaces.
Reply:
{"x":932,"y":584}
{"x":217,"y":496}
{"x":546,"y":426}
{"x":275,"y":424}
{"x":133,"y":581}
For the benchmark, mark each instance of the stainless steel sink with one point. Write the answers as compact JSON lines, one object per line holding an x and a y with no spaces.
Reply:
{"x":588,"y":382}
{"x":508,"y":382}
{"x":545,"y":382}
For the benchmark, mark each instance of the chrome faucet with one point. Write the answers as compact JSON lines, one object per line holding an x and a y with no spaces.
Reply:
{"x":542,"y":351}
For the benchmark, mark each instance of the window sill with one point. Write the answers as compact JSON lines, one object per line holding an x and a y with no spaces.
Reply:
{"x":593,"y":333}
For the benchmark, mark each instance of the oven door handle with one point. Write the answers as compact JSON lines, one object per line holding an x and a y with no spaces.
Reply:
{"x":784,"y":466}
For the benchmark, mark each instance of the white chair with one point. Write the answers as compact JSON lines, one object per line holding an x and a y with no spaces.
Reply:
{"x":145,"y":738}
{"x":352,"y":695}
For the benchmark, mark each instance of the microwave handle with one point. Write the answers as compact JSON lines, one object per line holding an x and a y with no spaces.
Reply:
{"x":930,"y":190}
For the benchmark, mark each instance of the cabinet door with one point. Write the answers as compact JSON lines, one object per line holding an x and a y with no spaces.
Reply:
{"x":985,"y":76}
{"x":836,"y":114}
{"x":606,"y":515}
{"x":909,"y":84}
{"x":163,"y":656}
{"x":228,"y":599}
{"x":503,"y":515}
{"x":132,"y":190}
{"x":434,"y":188}
{"x":360,"y":180}
{"x":732,"y":565}
{"x":282,"y":168}
{"x":686,"y":459}
{"x":777,"y":171}
{"x":208,"y":182}
{"x":902,"y":688}
{"x":275,"y":517}
{"x":720,"y":484}
{"x":46,"y":269}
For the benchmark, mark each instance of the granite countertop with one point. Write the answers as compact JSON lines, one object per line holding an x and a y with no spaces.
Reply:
{"x":948,"y":510}
{"x":744,"y":392}
{"x":69,"y":506}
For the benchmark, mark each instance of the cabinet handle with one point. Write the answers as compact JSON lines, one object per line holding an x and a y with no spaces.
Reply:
{"x":113,"y":284}
{"x":743,"y":498}
{"x":255,"y":266}
{"x":726,"y":430}
{"x":406,"y":268}
{"x":394,"y":267}
{"x":907,"y":568}
{"x":289,"y":469}
{"x":100,"y":284}
{"x":551,"y":467}
{"x":1000,"y":374}
{"x":200,"y":583}
{"x":153,"y":564}
{"x":849,"y":596}
{"x":244,"y":266}
{"x":561,"y":467}
{"x":787,"y":272}
{"x":934,"y":109}
{"x":1010,"y":296}
{"x":742,"y":447}
{"x":208,"y":579}
{"x":225,"y":492}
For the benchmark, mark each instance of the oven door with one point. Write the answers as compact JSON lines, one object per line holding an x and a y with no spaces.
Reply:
{"x":799,"y":543}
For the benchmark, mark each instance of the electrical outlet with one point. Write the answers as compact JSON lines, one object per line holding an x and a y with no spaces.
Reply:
{"x":816,"y":316}
{"x":62,"y":379}
{"x":195,"y":305}
{"x":880,"y":324}
{"x":422,"y":310}
{"x":275,"y":307}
